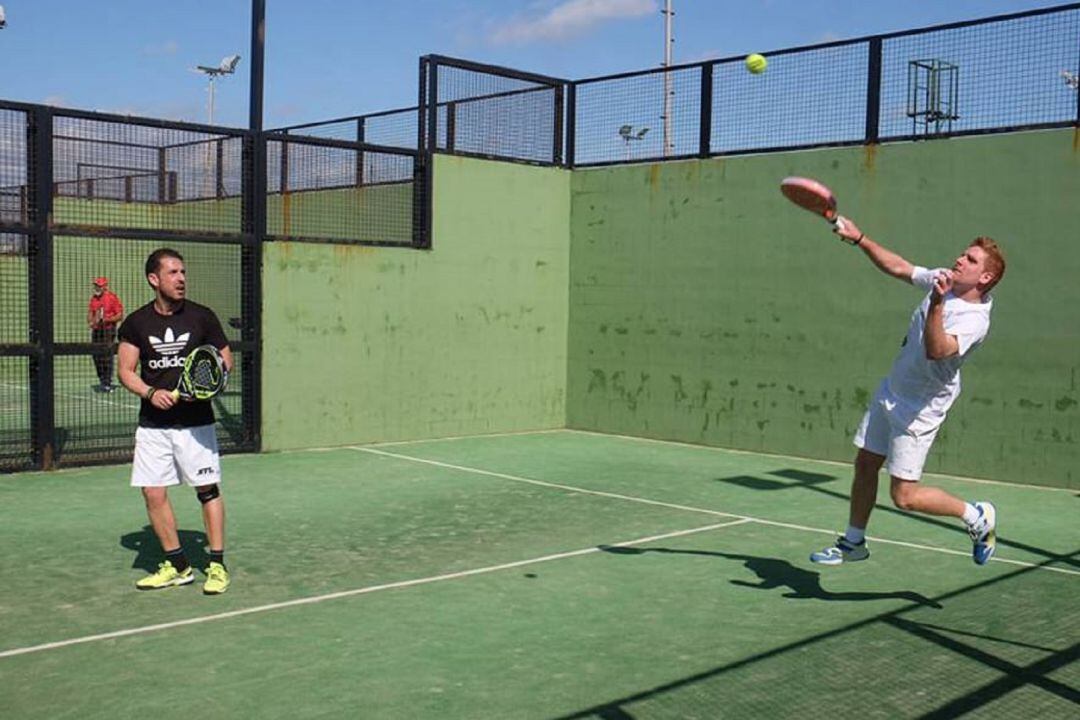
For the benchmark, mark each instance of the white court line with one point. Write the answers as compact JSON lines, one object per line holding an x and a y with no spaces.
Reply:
{"x":647,"y":501}
{"x":358,"y":591}
{"x":836,"y":463}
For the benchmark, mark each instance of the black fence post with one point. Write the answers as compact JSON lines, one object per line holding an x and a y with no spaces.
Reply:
{"x":873,"y":91}
{"x":433,"y":107}
{"x":422,"y":180}
{"x":219,"y":169}
{"x":571,"y":123}
{"x":254,"y":224}
{"x":162,"y":178}
{"x":705,"y":131}
{"x":42,"y":365}
{"x":361,"y":129}
{"x":557,"y":141}
{"x":451,"y":122}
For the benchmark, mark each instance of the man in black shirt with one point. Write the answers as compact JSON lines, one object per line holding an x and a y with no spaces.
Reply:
{"x":175,"y":441}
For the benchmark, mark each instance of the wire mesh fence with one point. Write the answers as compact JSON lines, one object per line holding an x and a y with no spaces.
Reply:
{"x":1002,"y":74}
{"x":993,"y":75}
{"x":125,"y":174}
{"x":339,"y":191}
{"x":390,"y":128}
{"x":493,"y":112}
{"x":86,"y":198}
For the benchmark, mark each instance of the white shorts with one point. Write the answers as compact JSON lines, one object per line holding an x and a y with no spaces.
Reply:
{"x":886,"y":430}
{"x":167,"y":456}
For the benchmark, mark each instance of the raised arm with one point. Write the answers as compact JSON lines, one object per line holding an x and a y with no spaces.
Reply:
{"x":885,"y":260}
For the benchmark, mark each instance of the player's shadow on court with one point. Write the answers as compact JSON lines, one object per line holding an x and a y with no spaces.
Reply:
{"x":773,"y":573}
{"x":148,"y":551}
{"x":801,"y":479}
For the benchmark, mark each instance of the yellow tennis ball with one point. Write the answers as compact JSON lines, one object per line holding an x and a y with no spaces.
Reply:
{"x":756,"y":64}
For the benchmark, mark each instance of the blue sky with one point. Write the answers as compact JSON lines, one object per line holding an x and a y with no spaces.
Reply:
{"x":331,"y":58}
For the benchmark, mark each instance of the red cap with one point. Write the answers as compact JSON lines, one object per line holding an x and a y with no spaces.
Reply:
{"x":101,"y":281}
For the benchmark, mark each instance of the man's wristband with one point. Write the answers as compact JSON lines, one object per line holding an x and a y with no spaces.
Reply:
{"x":149,"y":396}
{"x":858,"y":241}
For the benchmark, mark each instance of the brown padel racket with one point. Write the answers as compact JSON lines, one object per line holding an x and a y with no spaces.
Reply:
{"x":813,"y":196}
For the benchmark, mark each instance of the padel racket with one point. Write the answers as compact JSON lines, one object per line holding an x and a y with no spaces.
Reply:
{"x":203,"y":376}
{"x":813,"y":196}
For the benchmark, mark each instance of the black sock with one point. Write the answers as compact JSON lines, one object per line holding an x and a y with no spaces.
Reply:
{"x":178,"y":559}
{"x":218,"y":556}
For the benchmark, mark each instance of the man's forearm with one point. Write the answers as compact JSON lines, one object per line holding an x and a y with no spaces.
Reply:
{"x":885,"y":260}
{"x":939,"y":344}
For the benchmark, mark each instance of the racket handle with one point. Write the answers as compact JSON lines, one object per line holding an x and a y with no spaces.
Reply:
{"x":175,"y":394}
{"x":838,"y":224}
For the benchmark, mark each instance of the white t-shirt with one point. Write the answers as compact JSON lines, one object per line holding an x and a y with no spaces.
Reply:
{"x":923,"y":388}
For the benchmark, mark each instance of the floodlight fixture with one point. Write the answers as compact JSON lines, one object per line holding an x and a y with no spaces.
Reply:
{"x":1071,"y":79}
{"x":3,"y":18}
{"x":627,"y":133}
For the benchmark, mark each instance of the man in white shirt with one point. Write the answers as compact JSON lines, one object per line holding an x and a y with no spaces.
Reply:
{"x":910,"y":404}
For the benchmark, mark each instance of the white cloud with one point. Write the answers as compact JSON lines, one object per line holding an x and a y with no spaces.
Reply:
{"x":169,"y":47}
{"x":569,"y":19}
{"x":55,"y":100}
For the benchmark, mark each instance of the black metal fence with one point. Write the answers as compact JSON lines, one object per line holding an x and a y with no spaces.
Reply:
{"x":998,"y":74}
{"x":87,"y":195}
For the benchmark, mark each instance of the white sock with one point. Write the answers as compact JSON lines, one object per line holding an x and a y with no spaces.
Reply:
{"x":855,"y":535}
{"x":971,"y":513}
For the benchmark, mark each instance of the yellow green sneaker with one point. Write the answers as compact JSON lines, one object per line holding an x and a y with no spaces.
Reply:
{"x":166,"y":576}
{"x":217,"y":579}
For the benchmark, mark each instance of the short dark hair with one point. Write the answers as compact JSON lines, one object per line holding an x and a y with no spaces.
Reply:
{"x":153,"y":263}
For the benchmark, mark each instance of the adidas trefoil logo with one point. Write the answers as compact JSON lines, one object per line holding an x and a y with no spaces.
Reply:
{"x":169,"y":346}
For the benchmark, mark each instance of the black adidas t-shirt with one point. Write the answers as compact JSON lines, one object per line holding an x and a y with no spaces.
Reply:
{"x":164,"y":341}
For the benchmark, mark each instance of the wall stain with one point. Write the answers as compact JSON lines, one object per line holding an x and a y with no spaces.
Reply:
{"x":629,"y":396}
{"x":870,"y":156}
{"x":598,"y":381}
{"x":861,"y":398}
{"x":621,"y":331}
{"x":982,"y":401}
{"x":1029,"y":404}
{"x":680,"y":394}
{"x":807,"y":408}
{"x":1064,"y":403}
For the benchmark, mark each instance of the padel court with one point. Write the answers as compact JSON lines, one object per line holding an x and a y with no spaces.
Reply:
{"x":553,"y":574}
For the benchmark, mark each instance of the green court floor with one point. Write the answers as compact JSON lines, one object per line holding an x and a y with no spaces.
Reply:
{"x":542,"y":575}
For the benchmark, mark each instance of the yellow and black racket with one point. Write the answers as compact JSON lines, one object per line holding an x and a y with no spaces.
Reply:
{"x":203,"y":376}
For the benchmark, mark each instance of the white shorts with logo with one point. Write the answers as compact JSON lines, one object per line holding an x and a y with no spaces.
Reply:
{"x":889,"y":429}
{"x":167,"y":456}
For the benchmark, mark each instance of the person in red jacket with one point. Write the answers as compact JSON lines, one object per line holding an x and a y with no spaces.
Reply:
{"x":103,"y":316}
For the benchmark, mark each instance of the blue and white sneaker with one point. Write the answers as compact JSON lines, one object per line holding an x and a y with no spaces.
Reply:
{"x":843,"y":551}
{"x":983,"y":533}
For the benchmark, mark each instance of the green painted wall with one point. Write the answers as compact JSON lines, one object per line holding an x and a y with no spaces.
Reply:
{"x":364,"y":344}
{"x":705,"y":308}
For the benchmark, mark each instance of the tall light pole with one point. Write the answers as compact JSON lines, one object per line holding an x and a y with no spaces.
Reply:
{"x":227,"y":67}
{"x":668,"y":41}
